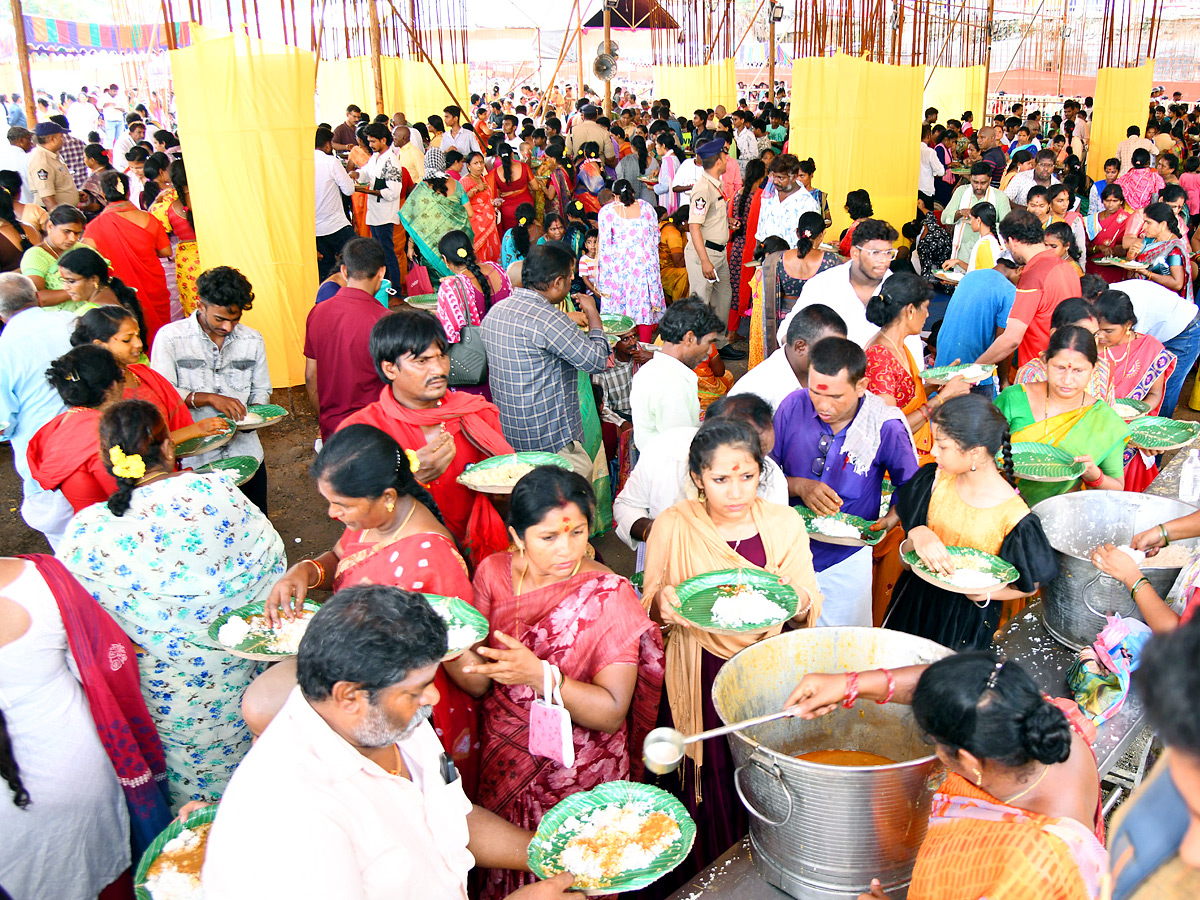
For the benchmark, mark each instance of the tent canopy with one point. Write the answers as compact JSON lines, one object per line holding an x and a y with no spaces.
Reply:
{"x":635,"y":14}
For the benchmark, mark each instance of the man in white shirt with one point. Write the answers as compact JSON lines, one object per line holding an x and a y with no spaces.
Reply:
{"x":661,"y":478}
{"x":508,"y":129}
{"x":134,"y":132}
{"x":784,"y":200}
{"x":846,"y":288}
{"x":1163,"y":314}
{"x":456,"y":137}
{"x":663,"y":394}
{"x":385,"y":185}
{"x":743,"y":135}
{"x":1042,"y":173}
{"x":114,"y":113}
{"x":930,"y":166}
{"x":14,"y":156}
{"x":332,"y":182}
{"x":786,"y":369}
{"x":685,"y":179}
{"x":83,"y":117}
{"x":351,"y":763}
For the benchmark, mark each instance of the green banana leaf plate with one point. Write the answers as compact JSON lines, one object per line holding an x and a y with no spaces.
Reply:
{"x":533,"y":459}
{"x":942,"y":374}
{"x":565,"y":819}
{"x":866,"y":538}
{"x":198,"y":445}
{"x":269,"y":412}
{"x":200,"y":817}
{"x":254,"y":645}
{"x":698,"y":595}
{"x":459,"y":614}
{"x":1157,"y":433}
{"x":965,"y":558}
{"x":241,"y":467}
{"x":1044,"y":462}
{"x":1129,"y":409}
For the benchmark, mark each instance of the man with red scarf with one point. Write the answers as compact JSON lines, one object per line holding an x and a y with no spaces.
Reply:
{"x":448,"y":430}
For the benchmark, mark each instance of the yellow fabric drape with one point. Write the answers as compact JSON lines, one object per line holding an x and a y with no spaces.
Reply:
{"x":245,"y":112}
{"x":697,"y":87}
{"x":875,"y":141}
{"x":954,"y":90}
{"x":409,"y":86}
{"x":1121,"y":96}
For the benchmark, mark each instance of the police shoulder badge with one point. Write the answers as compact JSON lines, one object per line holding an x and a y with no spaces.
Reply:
{"x":698,"y":204}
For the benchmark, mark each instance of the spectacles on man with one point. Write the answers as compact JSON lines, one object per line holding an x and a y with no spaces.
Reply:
{"x":824,"y":442}
{"x":889,"y":253}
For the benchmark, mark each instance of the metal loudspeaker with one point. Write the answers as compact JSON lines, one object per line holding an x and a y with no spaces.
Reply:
{"x":605,"y":67}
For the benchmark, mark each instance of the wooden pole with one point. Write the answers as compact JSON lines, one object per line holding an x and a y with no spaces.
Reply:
{"x":376,"y":64}
{"x":579,"y":45}
{"x":320,"y":40}
{"x":749,"y":27}
{"x":1062,"y":46}
{"x":416,"y":40}
{"x":987,"y":60}
{"x":771,"y":51}
{"x":562,"y":54}
{"x":607,"y":49}
{"x":1032,"y":19}
{"x":23,"y":62}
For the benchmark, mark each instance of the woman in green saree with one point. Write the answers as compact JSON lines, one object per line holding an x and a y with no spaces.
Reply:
{"x":434,"y":207}
{"x":1062,"y":413}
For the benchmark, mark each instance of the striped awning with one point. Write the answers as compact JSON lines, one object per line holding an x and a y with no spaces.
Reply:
{"x":62,"y":37}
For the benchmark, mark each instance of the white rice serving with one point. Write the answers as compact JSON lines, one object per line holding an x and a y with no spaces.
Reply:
{"x":612,"y":840}
{"x":746,"y":607}
{"x":835,"y":527}
{"x":972,"y":578}
{"x":251,"y":418}
{"x":171,"y":884}
{"x":285,"y":639}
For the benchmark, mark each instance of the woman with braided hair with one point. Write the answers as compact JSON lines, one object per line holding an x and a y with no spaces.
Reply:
{"x":964,"y":500}
{"x":165,"y":556}
{"x":395,"y":535}
{"x":472,"y":289}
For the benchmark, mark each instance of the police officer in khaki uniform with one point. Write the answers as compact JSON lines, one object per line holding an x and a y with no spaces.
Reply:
{"x":50,"y":180}
{"x":708,"y":233}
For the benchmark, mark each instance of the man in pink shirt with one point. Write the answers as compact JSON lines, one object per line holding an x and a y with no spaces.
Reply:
{"x":347,"y":793}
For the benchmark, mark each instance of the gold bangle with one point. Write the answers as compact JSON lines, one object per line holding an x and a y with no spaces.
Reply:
{"x":320,"y":573}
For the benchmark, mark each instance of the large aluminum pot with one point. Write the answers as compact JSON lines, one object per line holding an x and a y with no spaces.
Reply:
{"x":823,"y":832}
{"x":1075,"y":603}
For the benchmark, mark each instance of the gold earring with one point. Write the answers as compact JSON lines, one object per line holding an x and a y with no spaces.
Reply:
{"x":390,"y":505}
{"x":978,"y":778}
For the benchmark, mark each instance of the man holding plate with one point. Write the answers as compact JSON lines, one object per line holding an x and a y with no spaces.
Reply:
{"x":348,"y":793}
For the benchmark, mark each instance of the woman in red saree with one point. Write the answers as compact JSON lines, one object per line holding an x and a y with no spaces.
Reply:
{"x":64,"y":454}
{"x":549,"y":604}
{"x":116,"y":330}
{"x":512,"y":183}
{"x":483,"y":202}
{"x":132,"y":241}
{"x":1106,"y":228}
{"x":395,"y":536}
{"x":1140,"y":367}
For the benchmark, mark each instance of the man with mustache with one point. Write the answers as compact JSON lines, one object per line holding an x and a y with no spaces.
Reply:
{"x":338,"y":375}
{"x":348,"y":793}
{"x":448,"y":430}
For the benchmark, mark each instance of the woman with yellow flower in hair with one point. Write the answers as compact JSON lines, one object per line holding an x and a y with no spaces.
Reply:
{"x":166,"y":556}
{"x":396,"y":536}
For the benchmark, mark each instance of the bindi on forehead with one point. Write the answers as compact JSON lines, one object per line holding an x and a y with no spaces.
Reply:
{"x":822,"y":387}
{"x":737,"y":467}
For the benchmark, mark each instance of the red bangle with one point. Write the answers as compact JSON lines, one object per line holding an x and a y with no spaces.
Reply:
{"x":891,"y":683}
{"x":851,"y":690}
{"x":1096,"y":481}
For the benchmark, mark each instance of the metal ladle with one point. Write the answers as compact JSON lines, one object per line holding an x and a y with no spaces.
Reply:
{"x":662,"y":750}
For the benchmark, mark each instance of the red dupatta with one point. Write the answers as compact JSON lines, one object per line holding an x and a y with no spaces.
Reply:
{"x":132,"y":250}
{"x":584,"y":624}
{"x":107,"y":664}
{"x":428,"y":563}
{"x":154,"y":388}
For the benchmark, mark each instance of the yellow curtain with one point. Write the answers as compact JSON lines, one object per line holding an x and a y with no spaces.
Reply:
{"x":409,"y":86}
{"x":873,"y":141}
{"x":697,"y":87}
{"x":1121,"y":96}
{"x":245,"y":110}
{"x":953,"y":90}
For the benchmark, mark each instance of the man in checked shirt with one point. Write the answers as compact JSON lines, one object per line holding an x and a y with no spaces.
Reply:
{"x":535,"y":352}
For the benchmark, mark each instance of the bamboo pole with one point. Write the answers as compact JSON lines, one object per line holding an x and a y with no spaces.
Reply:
{"x":562,"y":54}
{"x":749,"y":28}
{"x":949,"y":34}
{"x":1062,"y":46}
{"x":1032,"y":19}
{"x":579,"y":45}
{"x":987,"y":59}
{"x":416,"y":40}
{"x":319,"y":41}
{"x":720,"y":30}
{"x":607,"y":49}
{"x":376,"y":63}
{"x":23,"y":62}
{"x":771,"y":51}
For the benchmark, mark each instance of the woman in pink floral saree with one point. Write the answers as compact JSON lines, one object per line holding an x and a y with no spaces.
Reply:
{"x":549,"y":603}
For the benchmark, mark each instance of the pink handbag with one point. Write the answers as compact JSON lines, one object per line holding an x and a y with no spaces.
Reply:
{"x":417,"y":282}
{"x":550,"y":732}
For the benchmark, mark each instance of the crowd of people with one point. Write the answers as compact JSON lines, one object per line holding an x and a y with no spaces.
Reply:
{"x":537,"y":277}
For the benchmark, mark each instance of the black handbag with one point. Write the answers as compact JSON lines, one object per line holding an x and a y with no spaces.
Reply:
{"x":468,"y":360}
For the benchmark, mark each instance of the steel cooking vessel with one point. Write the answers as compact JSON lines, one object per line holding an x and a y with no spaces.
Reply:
{"x":823,"y":832}
{"x":1075,"y":603}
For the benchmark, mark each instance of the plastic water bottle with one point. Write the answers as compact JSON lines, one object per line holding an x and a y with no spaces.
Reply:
{"x":1189,"y":478}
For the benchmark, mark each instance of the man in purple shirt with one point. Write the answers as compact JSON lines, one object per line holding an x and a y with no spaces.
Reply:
{"x":339,"y":370}
{"x":835,"y":442}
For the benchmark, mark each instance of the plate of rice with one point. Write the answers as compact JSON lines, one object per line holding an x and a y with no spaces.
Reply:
{"x":242,"y":468}
{"x":244,"y":632}
{"x":972,"y":373}
{"x":260,"y":416}
{"x":735,"y":601}
{"x":170,"y":867}
{"x":465,"y":625}
{"x":1129,"y":409}
{"x":617,"y":837}
{"x":500,"y":474}
{"x":204,"y":443}
{"x":840,"y":528}
{"x":975,"y":572}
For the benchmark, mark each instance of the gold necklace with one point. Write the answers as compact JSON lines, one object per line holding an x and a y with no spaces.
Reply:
{"x":383,"y":538}
{"x":1036,"y":782}
{"x":1046,"y":409}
